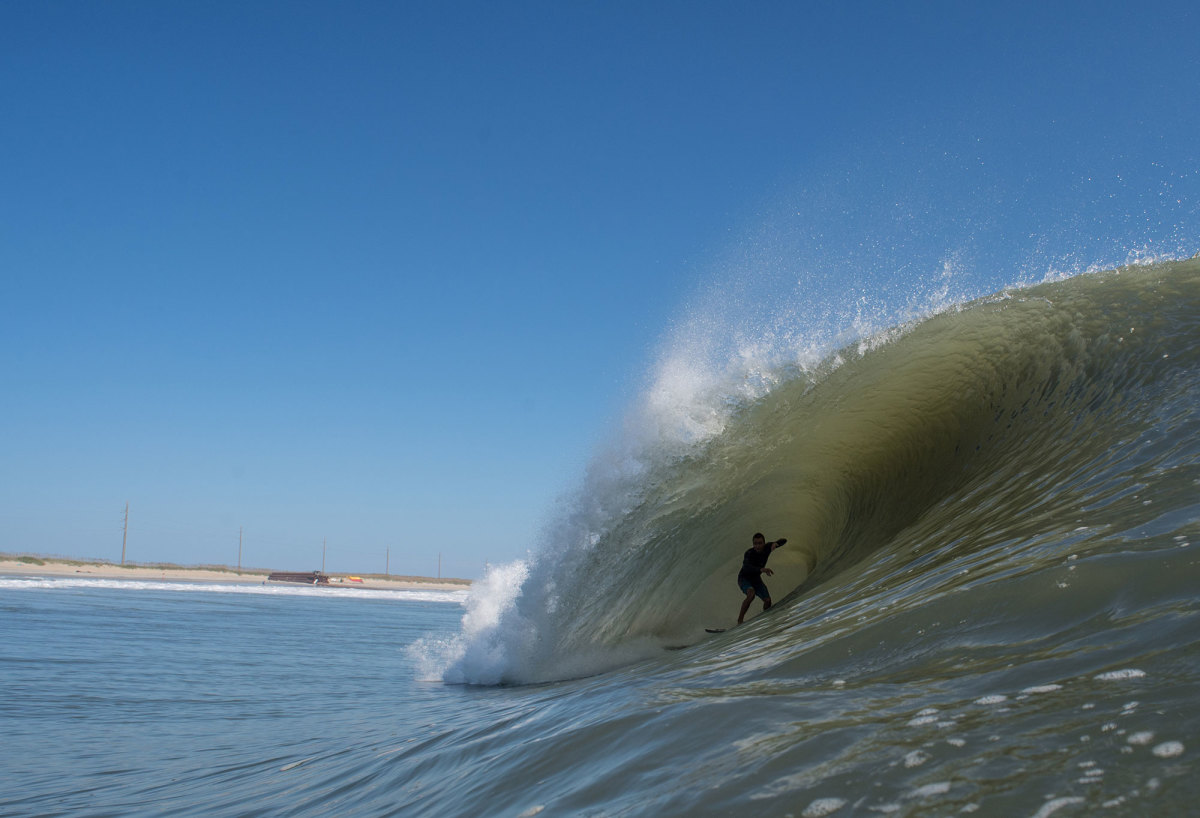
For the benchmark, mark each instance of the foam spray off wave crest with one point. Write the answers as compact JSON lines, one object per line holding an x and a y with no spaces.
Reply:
{"x":529,"y":620}
{"x":479,"y":652}
{"x":838,"y":450}
{"x":648,"y":544}
{"x":581,"y":603}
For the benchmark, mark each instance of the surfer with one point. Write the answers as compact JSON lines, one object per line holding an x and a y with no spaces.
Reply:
{"x":754,"y":565}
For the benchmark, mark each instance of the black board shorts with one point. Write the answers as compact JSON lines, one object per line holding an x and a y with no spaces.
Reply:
{"x":746,"y":583}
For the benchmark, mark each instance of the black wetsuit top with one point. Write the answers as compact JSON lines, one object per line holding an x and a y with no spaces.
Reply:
{"x":754,"y":562}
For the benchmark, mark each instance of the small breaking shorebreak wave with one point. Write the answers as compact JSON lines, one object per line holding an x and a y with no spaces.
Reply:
{"x":936,"y":454}
{"x":80,"y":583}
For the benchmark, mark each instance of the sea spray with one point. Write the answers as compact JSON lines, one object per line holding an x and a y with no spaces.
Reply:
{"x":839,"y":450}
{"x":512,"y":630}
{"x":577,"y":605}
{"x":478,"y":653}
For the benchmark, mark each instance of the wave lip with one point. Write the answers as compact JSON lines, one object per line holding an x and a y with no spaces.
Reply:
{"x":1027,"y":405}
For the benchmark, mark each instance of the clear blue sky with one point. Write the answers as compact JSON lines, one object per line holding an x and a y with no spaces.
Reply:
{"x":386,"y":273}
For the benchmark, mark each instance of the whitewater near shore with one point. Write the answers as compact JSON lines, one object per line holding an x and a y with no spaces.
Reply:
{"x":12,"y":566}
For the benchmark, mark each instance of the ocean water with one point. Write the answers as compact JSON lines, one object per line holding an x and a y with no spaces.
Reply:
{"x":158,"y":698}
{"x":987,"y":605}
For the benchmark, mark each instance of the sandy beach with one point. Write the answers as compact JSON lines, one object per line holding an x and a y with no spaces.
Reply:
{"x":12,"y":566}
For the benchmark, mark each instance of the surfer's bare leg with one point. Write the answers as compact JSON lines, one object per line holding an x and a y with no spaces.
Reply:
{"x":745,"y":605}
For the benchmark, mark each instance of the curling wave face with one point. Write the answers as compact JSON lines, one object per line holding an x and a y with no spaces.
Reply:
{"x":982,"y":439}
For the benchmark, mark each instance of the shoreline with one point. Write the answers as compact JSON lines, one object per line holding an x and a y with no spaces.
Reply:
{"x":50,"y":567}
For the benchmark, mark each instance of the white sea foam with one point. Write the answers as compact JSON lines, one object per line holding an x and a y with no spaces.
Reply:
{"x":182,"y":586}
{"x":1042,"y":688}
{"x":823,"y":806}
{"x":477,"y":654}
{"x":1168,"y":749}
{"x":990,"y":700}
{"x":916,"y":758}
{"x":1055,"y":804}
{"x":930,"y":790}
{"x":508,"y":635}
{"x":1121,"y":675}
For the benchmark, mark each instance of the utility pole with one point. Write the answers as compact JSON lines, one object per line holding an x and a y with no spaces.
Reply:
{"x":322,"y":555}
{"x":239,"y":549}
{"x":125,"y":535}
{"x":439,"y":565}
{"x":387,"y":561}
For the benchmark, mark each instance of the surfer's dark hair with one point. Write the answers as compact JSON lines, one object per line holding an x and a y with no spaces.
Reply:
{"x":758,"y":535}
